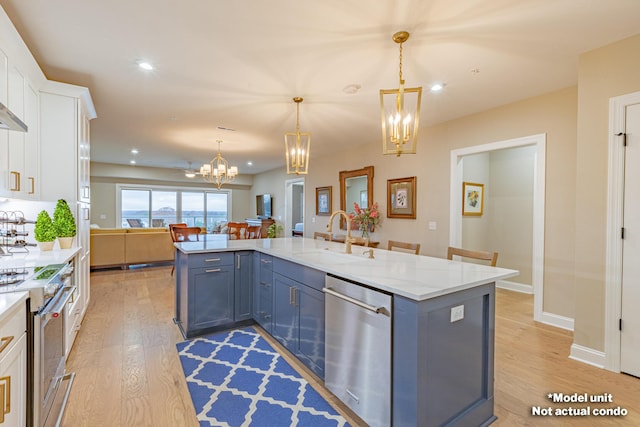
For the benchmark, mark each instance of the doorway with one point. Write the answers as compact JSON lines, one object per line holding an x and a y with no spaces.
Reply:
{"x":536,"y":232}
{"x":293,"y":204}
{"x":622,"y":319}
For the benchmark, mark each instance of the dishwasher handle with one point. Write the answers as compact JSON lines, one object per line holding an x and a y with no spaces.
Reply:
{"x":378,"y":310}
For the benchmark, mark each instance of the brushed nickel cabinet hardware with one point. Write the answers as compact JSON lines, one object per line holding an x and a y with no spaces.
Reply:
{"x":213,"y":270}
{"x":212,"y":260}
{"x":238,"y":267}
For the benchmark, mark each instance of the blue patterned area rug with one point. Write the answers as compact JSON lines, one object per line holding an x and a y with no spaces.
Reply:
{"x":236,"y":378}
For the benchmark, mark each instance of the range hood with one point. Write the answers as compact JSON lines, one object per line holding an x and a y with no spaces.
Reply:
{"x":10,"y":121}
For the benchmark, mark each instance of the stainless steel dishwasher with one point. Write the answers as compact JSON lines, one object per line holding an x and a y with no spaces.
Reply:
{"x":358,"y":348}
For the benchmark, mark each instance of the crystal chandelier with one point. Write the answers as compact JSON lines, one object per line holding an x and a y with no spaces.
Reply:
{"x":297,"y":145}
{"x":400,"y":113}
{"x":217,"y":171}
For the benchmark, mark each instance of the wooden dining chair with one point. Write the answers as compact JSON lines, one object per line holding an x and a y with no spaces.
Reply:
{"x":237,"y":230}
{"x":182,"y":233}
{"x":321,"y":236}
{"x":254,"y":231}
{"x":492,"y":257}
{"x":404,"y":246}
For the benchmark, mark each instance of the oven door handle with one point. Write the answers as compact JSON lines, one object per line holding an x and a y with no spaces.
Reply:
{"x":57,"y":307}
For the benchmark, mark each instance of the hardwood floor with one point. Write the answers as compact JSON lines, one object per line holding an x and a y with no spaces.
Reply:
{"x":128,"y":372}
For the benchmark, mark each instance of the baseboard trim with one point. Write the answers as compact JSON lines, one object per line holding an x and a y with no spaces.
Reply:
{"x":587,"y":355}
{"x":514,"y":286}
{"x":557,"y":321}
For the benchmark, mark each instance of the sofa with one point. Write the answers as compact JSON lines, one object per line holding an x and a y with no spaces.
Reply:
{"x":122,"y":247}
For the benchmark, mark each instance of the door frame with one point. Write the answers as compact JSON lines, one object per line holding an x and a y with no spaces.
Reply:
{"x":615,"y":217}
{"x":288,"y":203}
{"x":455,"y":207}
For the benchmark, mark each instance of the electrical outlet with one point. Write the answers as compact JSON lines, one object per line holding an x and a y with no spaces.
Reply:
{"x":432,"y":225}
{"x":313,"y":219}
{"x":457,"y":313}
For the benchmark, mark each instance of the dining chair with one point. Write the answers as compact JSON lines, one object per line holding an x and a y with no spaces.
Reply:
{"x":254,"y":231}
{"x":173,"y":238}
{"x":237,"y":230}
{"x":404,"y":246}
{"x":492,"y":257}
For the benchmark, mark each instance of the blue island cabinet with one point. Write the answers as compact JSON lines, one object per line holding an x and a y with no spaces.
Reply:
{"x":443,"y":359}
{"x":298,"y":312}
{"x":216,"y":293}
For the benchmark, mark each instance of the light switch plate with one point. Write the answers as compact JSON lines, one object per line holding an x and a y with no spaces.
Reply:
{"x":457,"y":313}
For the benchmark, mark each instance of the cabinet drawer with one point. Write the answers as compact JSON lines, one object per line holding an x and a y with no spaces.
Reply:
{"x":266,"y":262}
{"x":210,"y":259}
{"x":305,"y":275}
{"x":14,"y":326}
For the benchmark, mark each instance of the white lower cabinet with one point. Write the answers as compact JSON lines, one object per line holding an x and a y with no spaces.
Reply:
{"x":13,"y":369}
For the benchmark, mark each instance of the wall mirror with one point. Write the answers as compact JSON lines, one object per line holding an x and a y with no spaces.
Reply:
{"x":355,"y":186}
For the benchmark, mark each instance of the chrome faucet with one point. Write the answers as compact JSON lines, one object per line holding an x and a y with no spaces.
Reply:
{"x":348,"y":240}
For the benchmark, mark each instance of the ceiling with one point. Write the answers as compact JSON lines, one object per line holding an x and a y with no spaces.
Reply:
{"x":238,"y":64}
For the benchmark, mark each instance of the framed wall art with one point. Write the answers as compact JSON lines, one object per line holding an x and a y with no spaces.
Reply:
{"x":472,"y":199}
{"x":401,"y":198}
{"x":323,"y":200}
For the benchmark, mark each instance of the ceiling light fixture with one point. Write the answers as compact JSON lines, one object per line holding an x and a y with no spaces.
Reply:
{"x":145,"y":65}
{"x":297,"y":145}
{"x":400,"y":118}
{"x":217,"y":171}
{"x":437,"y":87}
{"x":190,"y":173}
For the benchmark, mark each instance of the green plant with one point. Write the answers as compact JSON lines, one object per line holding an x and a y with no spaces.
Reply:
{"x":273,"y":230}
{"x":44,"y":231}
{"x":63,"y":220}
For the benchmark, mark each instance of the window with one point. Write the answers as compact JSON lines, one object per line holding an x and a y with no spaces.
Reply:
{"x":145,"y":206}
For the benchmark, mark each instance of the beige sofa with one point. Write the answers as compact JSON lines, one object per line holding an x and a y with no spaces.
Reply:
{"x":122,"y":247}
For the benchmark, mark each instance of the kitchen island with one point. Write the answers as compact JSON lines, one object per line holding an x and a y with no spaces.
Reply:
{"x":442,"y":334}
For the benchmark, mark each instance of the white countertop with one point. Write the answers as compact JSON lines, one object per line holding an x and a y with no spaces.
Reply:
{"x":9,"y":301}
{"x":37,"y":258}
{"x":412,"y":276}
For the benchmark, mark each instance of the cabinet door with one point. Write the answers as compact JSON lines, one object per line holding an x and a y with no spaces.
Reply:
{"x":211,"y":301}
{"x":31,"y":182}
{"x":285,"y":311}
{"x":13,"y":381}
{"x":16,"y":139}
{"x":243,"y":285}
{"x":263,"y":291}
{"x":311,"y":335}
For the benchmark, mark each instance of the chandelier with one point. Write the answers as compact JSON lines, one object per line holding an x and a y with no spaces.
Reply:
{"x":217,"y":171}
{"x":297,"y":145}
{"x":400,"y":112}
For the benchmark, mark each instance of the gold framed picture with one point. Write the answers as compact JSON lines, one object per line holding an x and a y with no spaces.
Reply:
{"x":401,"y":198}
{"x":472,"y":199}
{"x":323,"y":200}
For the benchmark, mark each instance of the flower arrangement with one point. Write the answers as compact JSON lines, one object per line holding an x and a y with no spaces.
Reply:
{"x":365,"y":219}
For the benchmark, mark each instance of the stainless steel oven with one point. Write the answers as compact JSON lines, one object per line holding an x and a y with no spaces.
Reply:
{"x":49,"y":384}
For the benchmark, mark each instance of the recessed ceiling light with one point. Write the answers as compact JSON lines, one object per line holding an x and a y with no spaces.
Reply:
{"x":190,"y":174}
{"x":133,"y":162}
{"x":134,"y":151}
{"x":437,"y":87}
{"x":249,"y":163}
{"x":145,"y":65}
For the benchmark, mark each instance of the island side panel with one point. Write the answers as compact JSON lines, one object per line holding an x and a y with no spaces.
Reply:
{"x":443,"y":370}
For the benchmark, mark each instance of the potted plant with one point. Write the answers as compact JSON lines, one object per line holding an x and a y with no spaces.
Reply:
{"x":273,"y":230}
{"x":64,"y":223}
{"x":45,"y":231}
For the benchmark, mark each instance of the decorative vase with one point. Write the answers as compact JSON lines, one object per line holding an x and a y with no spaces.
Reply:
{"x":365,"y":232}
{"x":65,"y":242}
{"x":46,"y":246}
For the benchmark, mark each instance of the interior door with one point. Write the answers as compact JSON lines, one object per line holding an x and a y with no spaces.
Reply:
{"x":630,"y":333}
